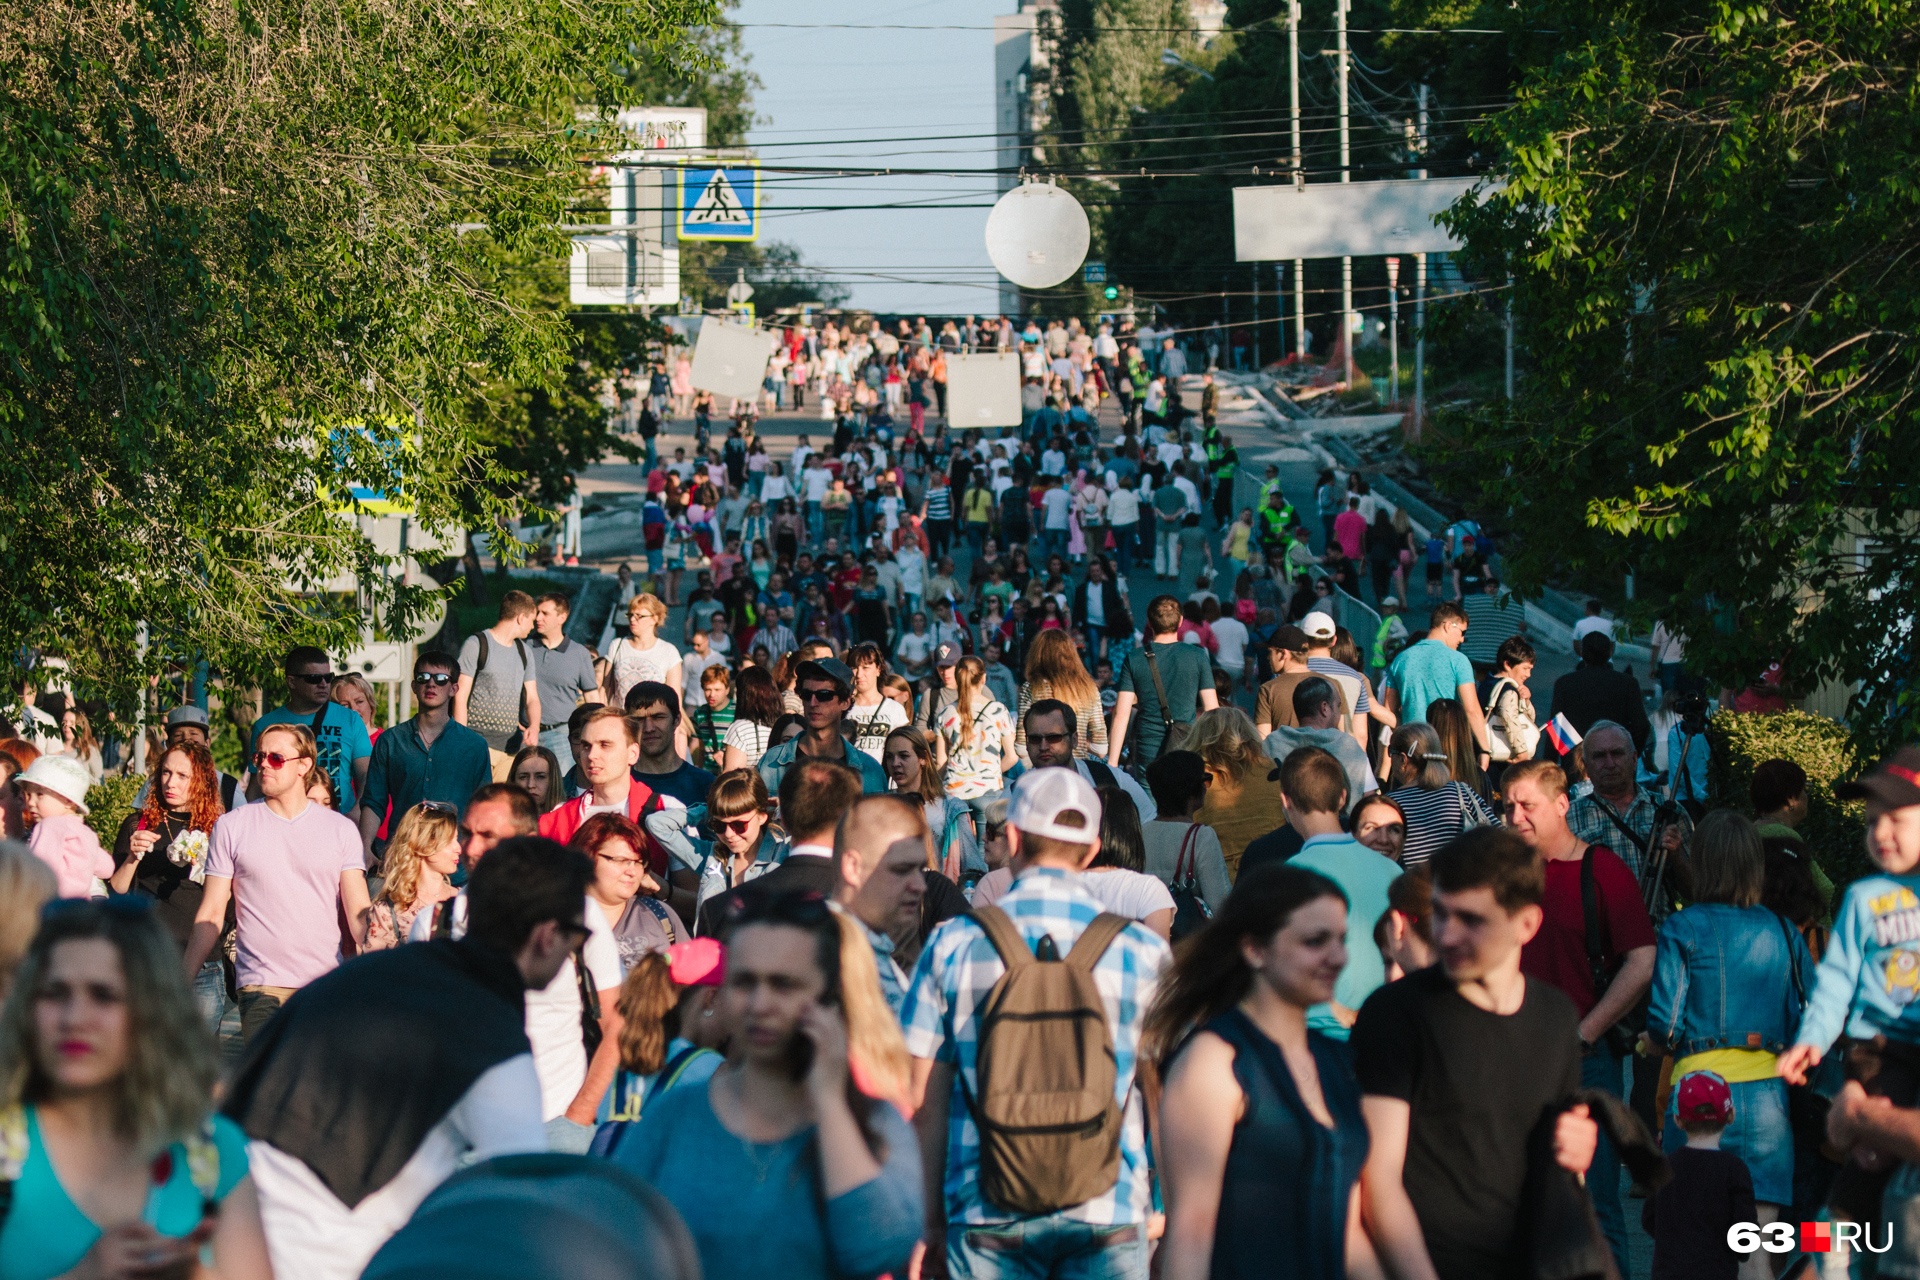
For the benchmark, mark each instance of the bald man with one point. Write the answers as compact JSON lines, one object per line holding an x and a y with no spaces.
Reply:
{"x":881,"y":849}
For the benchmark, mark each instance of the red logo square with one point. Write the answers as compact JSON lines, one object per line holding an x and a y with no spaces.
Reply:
{"x":1816,"y":1237}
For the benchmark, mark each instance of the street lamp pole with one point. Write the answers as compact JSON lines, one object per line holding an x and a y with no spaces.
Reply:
{"x":1299,"y":176}
{"x":1420,"y":298}
{"x":1393,"y":330}
{"x":1346,"y":175}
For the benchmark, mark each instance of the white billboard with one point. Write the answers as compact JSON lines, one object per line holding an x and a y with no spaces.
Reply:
{"x":1344,"y":219}
{"x":731,"y":359}
{"x":983,"y":390}
{"x":635,"y":262}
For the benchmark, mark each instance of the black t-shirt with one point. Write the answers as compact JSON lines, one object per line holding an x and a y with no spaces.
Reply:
{"x":1277,"y":846}
{"x":1688,"y":1218}
{"x":688,"y":784}
{"x":1479,"y":1084}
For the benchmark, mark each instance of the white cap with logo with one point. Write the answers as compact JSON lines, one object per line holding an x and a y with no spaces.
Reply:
{"x":1043,"y":796}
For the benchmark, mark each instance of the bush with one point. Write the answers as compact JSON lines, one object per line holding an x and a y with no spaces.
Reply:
{"x":1833,"y":829}
{"x":109,"y":803}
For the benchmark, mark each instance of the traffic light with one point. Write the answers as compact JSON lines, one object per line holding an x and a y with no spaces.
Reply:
{"x":1111,"y":292}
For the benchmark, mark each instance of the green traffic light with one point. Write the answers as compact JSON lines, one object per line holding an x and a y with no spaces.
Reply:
{"x":1111,"y":292}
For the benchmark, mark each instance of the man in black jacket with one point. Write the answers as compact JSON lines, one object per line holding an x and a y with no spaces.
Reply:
{"x":1595,"y":691}
{"x":1115,"y":621}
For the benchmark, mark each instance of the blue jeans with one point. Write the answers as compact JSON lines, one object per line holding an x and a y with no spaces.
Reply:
{"x":816,"y":522}
{"x":210,"y":993}
{"x":555,"y":740}
{"x":1051,"y":1247}
{"x":1123,"y":535}
{"x":977,"y":537}
{"x":1600,"y":1069}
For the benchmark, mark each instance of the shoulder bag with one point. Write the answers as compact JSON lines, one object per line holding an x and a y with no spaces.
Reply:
{"x":1190,"y":911}
{"x":1622,"y":1036}
{"x":1174,"y":735}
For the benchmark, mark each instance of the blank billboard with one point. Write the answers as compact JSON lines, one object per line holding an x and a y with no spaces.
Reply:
{"x":983,"y":390}
{"x":1344,"y":219}
{"x":731,"y":359}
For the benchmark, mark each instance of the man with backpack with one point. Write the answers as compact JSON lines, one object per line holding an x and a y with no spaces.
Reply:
{"x":1033,"y":1128}
{"x":498,"y":694}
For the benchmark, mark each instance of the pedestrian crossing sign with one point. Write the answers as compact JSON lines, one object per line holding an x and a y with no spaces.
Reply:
{"x":719,"y":203}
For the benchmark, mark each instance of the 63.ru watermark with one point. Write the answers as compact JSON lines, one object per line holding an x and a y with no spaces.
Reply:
{"x":1808,"y":1237}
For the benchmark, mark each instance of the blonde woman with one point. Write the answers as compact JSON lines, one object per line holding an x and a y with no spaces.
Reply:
{"x":26,"y":885}
{"x":642,"y":654}
{"x":421,"y":859}
{"x":351,"y":690}
{"x":908,"y":760}
{"x":978,"y":733}
{"x":1054,"y":670}
{"x":108,"y":1072}
{"x":1241,"y":803}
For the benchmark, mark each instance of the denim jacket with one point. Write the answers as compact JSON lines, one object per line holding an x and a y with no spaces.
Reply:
{"x":1721,"y":980}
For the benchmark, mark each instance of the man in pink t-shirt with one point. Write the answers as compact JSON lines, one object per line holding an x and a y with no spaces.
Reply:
{"x":1350,"y":529}
{"x":297,"y":867}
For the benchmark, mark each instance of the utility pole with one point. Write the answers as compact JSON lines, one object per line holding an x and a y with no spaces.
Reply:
{"x":1393,"y":330}
{"x":1346,"y":175}
{"x":1256,"y":317}
{"x":1509,"y":326}
{"x":1420,"y":293}
{"x":1299,"y":177}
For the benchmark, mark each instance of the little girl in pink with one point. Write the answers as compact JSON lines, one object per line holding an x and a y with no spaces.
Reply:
{"x":55,"y":792}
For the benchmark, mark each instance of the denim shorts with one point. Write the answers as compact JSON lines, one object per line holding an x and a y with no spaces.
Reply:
{"x":1760,"y":1134}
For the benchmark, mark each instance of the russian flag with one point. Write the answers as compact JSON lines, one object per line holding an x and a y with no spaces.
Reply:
{"x":1562,"y":734}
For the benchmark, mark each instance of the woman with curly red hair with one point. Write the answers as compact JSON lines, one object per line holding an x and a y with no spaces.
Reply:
{"x":161,"y":851}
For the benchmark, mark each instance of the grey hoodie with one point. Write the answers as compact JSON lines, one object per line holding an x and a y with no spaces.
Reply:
{"x":1286,"y":739}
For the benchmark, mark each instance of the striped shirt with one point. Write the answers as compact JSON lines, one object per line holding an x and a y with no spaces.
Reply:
{"x":1438,"y":815}
{"x":940,"y":503}
{"x":956,"y":972}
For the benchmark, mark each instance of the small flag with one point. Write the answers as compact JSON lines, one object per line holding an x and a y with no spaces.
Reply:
{"x":1562,"y":734}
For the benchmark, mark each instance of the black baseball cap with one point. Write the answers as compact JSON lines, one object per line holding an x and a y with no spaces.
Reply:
{"x":1292,"y":639}
{"x":1894,"y":783}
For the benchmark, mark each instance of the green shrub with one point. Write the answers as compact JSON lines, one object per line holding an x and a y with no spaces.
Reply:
{"x":1833,"y":829}
{"x":109,"y":803}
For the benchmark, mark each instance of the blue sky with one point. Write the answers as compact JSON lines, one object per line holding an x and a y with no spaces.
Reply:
{"x":824,"y":86}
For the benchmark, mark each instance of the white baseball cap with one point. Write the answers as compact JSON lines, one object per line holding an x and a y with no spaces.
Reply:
{"x":1044,"y":795}
{"x":1318,"y":626}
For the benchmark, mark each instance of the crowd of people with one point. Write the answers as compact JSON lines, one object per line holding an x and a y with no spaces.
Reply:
{"x":922,"y":905}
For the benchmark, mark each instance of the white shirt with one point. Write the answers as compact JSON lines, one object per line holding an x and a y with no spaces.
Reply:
{"x":1104,"y":347}
{"x":1186,"y":487}
{"x":772,"y":489}
{"x":1141,"y":800}
{"x":1053,"y":463}
{"x":801,"y":452}
{"x":1169,"y":452}
{"x":311,"y":1235}
{"x":553,"y":1013}
{"x":913,"y":570}
{"x":1123,"y":508}
{"x":1231,"y":634}
{"x":1132,"y":894}
{"x":1587,"y":626}
{"x":691,"y":667}
{"x":817,"y":481}
{"x":1058,"y":505}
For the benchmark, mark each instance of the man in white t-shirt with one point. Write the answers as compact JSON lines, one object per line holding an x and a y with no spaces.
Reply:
{"x":1056,"y":506}
{"x":1231,"y":635}
{"x":292,"y":868}
{"x":570,"y":1086}
{"x":694,"y":664}
{"x":815,"y":480}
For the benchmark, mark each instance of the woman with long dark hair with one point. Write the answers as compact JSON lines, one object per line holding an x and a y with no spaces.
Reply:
{"x":1261,"y":1131}
{"x":756,"y":705}
{"x":794,"y":1159}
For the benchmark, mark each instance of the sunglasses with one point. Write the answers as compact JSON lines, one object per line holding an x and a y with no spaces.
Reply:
{"x":819,"y":695}
{"x":274,"y":760}
{"x":437,"y":806}
{"x":435,"y":678}
{"x":738,"y":826}
{"x":325,"y":677}
{"x":1048,"y":738}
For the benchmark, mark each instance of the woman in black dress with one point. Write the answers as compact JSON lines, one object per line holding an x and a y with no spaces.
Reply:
{"x":1261,"y":1129}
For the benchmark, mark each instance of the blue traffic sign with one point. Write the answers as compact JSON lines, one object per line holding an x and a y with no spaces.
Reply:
{"x":720,"y":203}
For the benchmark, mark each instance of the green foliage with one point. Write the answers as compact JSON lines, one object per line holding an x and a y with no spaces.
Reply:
{"x":108,"y":804}
{"x":240,"y":272}
{"x":1834,"y":829}
{"x":471,"y":616}
{"x":1710,"y":215}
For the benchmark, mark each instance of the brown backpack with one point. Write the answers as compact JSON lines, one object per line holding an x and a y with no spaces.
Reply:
{"x":1045,"y":1069}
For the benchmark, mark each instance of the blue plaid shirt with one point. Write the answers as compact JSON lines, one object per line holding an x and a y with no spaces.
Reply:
{"x":956,"y":971}
{"x":893,"y":979}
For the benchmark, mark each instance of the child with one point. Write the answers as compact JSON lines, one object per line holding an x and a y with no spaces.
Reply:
{"x":55,"y":792}
{"x":1711,"y":1190}
{"x":1869,"y":983}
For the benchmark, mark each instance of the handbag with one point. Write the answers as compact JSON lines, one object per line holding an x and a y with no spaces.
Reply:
{"x":1174,"y":735}
{"x":1190,"y":911}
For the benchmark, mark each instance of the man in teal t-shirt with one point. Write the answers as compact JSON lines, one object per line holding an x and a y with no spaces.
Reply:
{"x":1433,"y":669}
{"x":340,"y":734}
{"x":1185,"y":670}
{"x":1314,"y":786}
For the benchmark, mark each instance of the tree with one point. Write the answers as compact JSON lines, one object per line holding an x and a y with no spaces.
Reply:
{"x":1710,"y":219}
{"x":239,"y":275}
